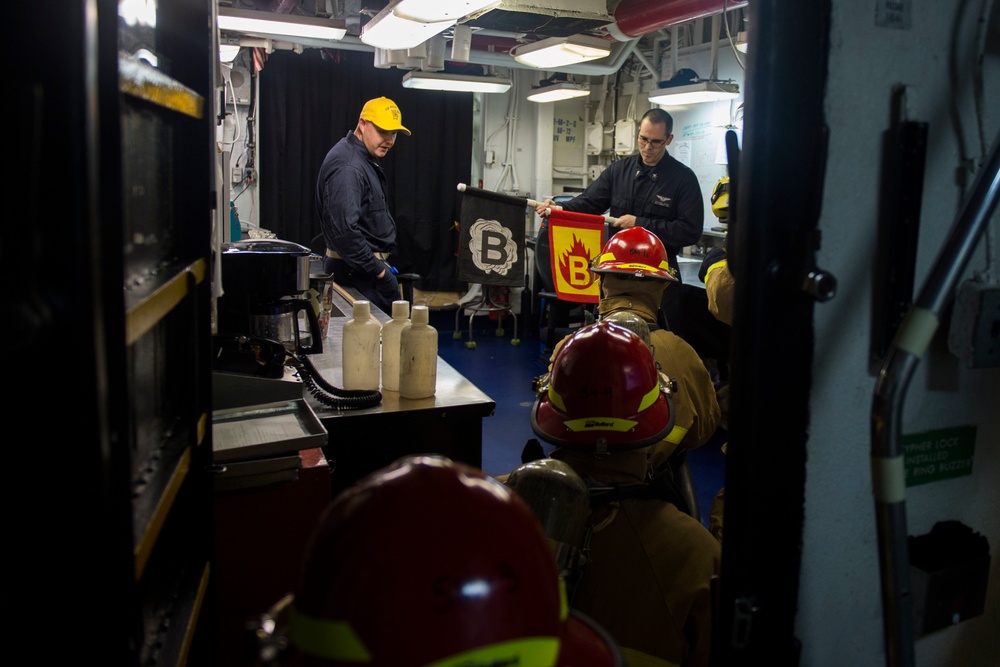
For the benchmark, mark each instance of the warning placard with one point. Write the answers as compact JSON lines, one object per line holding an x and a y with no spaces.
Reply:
{"x":940,"y":454}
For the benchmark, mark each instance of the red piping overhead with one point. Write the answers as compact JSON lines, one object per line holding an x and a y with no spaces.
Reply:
{"x":635,"y":18}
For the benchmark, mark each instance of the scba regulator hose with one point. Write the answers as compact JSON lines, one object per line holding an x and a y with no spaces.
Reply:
{"x":330,"y":396}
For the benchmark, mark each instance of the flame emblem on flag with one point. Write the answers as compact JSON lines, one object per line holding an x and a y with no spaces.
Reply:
{"x":574,"y":265}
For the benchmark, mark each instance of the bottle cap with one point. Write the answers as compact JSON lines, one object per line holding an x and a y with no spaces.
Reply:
{"x":400,"y":310}
{"x":420,"y":315}
{"x":361,"y":310}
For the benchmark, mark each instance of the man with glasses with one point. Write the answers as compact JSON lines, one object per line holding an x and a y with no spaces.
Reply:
{"x":351,"y":201}
{"x":650,"y":190}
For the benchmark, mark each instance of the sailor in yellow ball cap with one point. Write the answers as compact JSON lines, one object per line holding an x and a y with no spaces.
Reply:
{"x":357,"y":226}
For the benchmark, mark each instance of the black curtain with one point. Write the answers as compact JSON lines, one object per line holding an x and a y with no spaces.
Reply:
{"x":309,"y":101}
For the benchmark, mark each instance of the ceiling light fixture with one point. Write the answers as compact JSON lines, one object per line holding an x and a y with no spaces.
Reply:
{"x":694,"y":93}
{"x":555,"y":52}
{"x":387,"y":30}
{"x":564,"y":90}
{"x":280,"y":25}
{"x":429,"y":11}
{"x":466,"y":83}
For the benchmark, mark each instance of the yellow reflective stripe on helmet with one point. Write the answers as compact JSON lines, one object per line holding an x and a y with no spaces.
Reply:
{"x":334,"y":640}
{"x":563,"y":601}
{"x":556,"y":399}
{"x":649,"y":398}
{"x":676,"y":434}
{"x":527,"y":652}
{"x":600,"y":424}
{"x":634,"y":266}
{"x":636,"y":658}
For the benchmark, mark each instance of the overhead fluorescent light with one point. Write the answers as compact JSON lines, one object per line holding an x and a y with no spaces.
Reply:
{"x":429,"y":11}
{"x":280,"y":25}
{"x":703,"y":91}
{"x":386,"y":30}
{"x":555,"y":52}
{"x":564,"y":90}
{"x":456,"y":82}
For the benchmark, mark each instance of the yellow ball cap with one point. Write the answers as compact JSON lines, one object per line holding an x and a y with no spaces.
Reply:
{"x":384,"y":113}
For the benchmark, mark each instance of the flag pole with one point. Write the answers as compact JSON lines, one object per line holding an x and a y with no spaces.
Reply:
{"x":517,"y":201}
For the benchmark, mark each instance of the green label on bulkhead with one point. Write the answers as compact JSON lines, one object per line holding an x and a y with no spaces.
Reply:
{"x":936,"y":455}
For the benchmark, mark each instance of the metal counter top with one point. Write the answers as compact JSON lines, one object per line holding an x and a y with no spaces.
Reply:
{"x":689,"y":271}
{"x":453,"y":390}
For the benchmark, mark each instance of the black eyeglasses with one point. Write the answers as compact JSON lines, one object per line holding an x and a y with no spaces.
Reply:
{"x":654,"y":142}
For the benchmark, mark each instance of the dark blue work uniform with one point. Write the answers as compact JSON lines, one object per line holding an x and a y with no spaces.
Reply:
{"x":357,"y":226}
{"x":665,"y":199}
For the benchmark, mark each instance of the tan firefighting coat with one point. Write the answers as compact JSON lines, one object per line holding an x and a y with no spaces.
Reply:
{"x":647,"y":577}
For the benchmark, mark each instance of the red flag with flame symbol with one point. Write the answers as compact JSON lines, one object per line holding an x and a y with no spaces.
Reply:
{"x":575,"y":238}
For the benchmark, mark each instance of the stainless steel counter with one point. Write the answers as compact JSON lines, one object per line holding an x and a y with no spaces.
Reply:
{"x":689,"y":271}
{"x":360,"y":441}
{"x":452,"y":388}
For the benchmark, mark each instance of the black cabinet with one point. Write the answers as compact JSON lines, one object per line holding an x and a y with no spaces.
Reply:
{"x":108,"y":266}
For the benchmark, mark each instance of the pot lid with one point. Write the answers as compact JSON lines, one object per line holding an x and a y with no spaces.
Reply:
{"x":266,"y":246}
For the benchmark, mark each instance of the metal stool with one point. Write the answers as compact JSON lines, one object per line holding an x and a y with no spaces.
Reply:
{"x":487,"y":302}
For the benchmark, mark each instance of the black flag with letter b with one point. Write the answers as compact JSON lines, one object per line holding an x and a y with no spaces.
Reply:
{"x":491,"y":249}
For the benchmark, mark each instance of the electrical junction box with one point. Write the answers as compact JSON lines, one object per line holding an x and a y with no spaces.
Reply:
{"x":974,"y":335}
{"x":625,"y":137}
{"x":598,"y":138}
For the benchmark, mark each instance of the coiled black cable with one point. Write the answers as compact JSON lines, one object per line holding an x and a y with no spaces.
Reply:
{"x":331,"y":396}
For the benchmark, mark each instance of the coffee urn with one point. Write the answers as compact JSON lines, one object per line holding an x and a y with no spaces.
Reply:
{"x":265,"y":294}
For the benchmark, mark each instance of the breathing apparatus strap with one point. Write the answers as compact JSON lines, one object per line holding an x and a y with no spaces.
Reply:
{"x":661,"y":485}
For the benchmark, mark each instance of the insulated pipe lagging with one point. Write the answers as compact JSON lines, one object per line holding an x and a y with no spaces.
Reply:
{"x":635,"y":18}
{"x":908,"y":346}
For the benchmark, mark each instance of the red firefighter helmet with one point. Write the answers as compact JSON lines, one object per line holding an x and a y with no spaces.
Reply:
{"x":604,"y":393}
{"x":635,"y":252}
{"x":429,"y":562}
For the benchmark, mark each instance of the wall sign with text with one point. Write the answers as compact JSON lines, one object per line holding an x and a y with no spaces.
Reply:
{"x":940,"y":454}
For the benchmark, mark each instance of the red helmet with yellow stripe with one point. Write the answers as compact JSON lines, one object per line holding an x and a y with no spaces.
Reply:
{"x":431,"y":562}
{"x":635,"y":252}
{"x":604,"y":393}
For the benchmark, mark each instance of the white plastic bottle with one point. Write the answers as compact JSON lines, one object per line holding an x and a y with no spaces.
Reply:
{"x":391,"y":332}
{"x":418,"y":351}
{"x":360,"y":349}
